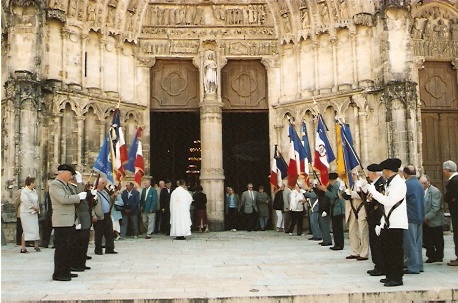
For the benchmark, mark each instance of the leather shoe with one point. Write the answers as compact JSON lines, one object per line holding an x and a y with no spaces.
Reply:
{"x":384,"y":280}
{"x":351,"y":257}
{"x":376,"y":273}
{"x":393,"y":283}
{"x":325,"y":244}
{"x":361,"y":258}
{"x":58,"y":278}
{"x":111,"y":252}
{"x":408,"y":272}
{"x":315,"y":239}
{"x":335,"y":248}
{"x":88,"y":257}
{"x":72,"y":275}
{"x":433,"y":260}
{"x":453,"y":263}
{"x":147,"y":237}
{"x":98,"y":253}
{"x":86,"y":267}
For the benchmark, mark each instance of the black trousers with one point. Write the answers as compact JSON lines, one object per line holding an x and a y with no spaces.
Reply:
{"x":393,"y":253}
{"x":157,"y":222}
{"x":297,"y":218}
{"x":454,"y":217}
{"x":165,"y":222}
{"x":64,"y":238}
{"x":375,"y":245}
{"x":104,"y":228}
{"x":433,"y":240}
{"x":251,"y":221}
{"x":232,"y":217}
{"x":81,"y":246}
{"x":19,"y":231}
{"x":338,"y":230}
{"x":46,"y":230}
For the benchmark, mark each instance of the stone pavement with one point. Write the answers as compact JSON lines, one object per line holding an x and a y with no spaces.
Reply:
{"x":220,"y":267}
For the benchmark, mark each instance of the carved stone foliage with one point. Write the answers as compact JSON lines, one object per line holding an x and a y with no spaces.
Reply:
{"x":244,"y":85}
{"x":174,"y":85}
{"x":403,"y":92}
{"x":435,"y":32}
{"x":56,"y":14}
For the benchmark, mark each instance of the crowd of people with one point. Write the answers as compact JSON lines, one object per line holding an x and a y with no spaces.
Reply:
{"x":390,"y":214}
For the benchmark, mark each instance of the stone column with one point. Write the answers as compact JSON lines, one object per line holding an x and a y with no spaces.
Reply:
{"x":56,"y":126}
{"x":80,"y":126}
{"x":211,"y":172}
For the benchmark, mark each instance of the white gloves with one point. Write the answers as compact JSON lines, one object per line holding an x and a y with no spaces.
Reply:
{"x":78,"y":227}
{"x":94,"y":193}
{"x":324,"y":214}
{"x":78,"y":177}
{"x":378,"y":229}
{"x":342,"y":186}
{"x":347,"y":191}
{"x":364,"y":188}
{"x":82,"y":195}
{"x":371,"y":188}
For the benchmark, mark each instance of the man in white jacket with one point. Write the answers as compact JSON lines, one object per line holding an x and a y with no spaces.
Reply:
{"x":393,"y":222}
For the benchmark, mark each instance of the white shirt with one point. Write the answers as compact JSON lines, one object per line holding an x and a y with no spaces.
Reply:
{"x":295,"y":198}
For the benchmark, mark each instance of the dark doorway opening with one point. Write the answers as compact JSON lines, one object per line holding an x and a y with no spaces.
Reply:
{"x":246,"y":149}
{"x":175,"y":146}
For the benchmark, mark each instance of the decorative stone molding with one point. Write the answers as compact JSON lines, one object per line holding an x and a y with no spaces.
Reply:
{"x":56,"y":14}
{"x":363,"y":19}
{"x":404,"y":92}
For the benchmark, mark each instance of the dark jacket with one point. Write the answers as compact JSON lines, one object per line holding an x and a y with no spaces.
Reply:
{"x":131,"y":203}
{"x":451,"y":194}
{"x":165,"y":199}
{"x":200,"y":200}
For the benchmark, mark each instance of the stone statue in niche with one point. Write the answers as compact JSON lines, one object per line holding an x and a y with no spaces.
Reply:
{"x":324,"y":14}
{"x":210,"y":80}
{"x":110,"y":17}
{"x":344,"y":13}
{"x":72,"y":9}
{"x":91,"y":13}
{"x":286,"y":23}
{"x":419,"y":26}
{"x":305,"y":18}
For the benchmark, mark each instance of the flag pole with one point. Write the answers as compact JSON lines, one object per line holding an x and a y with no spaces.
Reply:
{"x":313,"y":168}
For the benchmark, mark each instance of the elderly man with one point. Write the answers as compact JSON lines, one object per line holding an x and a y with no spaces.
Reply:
{"x":451,"y":198}
{"x":433,"y":235}
{"x":250,"y":209}
{"x":393,"y":222}
{"x":103,"y":225}
{"x":355,"y":215}
{"x":63,"y":220}
{"x":148,"y":207}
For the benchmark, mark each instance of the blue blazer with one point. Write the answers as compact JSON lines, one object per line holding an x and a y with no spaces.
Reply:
{"x":132,"y":202}
{"x":149,"y":203}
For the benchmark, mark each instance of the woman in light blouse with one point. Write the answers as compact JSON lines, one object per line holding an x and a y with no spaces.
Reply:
{"x":29,"y":214}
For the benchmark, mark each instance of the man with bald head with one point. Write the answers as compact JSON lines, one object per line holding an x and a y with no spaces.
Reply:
{"x":413,"y":236}
{"x":451,"y":198}
{"x":103,"y":225}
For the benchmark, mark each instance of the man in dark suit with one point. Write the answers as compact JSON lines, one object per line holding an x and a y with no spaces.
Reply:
{"x":433,"y":234}
{"x":165,"y":207}
{"x":374,"y":214}
{"x":148,"y":201}
{"x":131,"y":199}
{"x":250,"y":209}
{"x":451,"y":198}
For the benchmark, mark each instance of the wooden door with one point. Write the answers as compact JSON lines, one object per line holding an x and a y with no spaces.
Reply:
{"x":439,"y":117}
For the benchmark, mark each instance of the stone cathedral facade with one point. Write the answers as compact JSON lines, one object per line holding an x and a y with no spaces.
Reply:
{"x":387,"y":67}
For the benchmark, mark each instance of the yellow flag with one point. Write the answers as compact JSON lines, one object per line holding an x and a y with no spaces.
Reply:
{"x":340,"y":156}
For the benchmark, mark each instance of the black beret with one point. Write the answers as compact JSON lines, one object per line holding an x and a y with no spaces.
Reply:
{"x":392,"y":164}
{"x":66,"y":167}
{"x":333,"y":176}
{"x":374,"y":167}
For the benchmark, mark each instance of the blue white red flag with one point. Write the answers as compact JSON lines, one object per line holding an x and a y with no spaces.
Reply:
{"x":297,"y":157}
{"x":135,"y":163}
{"x":119,"y":146}
{"x":323,"y":152}
{"x":279,"y":169}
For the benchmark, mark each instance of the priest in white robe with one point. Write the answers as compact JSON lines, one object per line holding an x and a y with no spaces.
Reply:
{"x":180,"y":219}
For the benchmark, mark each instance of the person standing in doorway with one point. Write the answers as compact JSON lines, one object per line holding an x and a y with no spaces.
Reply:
{"x":180,"y":220}
{"x":250,"y":209}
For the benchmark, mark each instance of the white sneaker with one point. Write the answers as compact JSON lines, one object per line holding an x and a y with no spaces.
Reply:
{"x":290,"y":234}
{"x":233,"y":229}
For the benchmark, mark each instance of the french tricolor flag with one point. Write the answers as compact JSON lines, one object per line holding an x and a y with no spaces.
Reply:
{"x":297,"y":156}
{"x":135,"y":163}
{"x":323,"y":152}
{"x":279,"y":169}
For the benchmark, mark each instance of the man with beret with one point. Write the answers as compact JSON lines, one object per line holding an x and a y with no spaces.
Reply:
{"x":374,"y":214}
{"x":394,"y":221}
{"x":451,"y":198}
{"x":413,"y":236}
{"x":355,"y":215}
{"x":63,"y":221}
{"x":337,"y":210}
